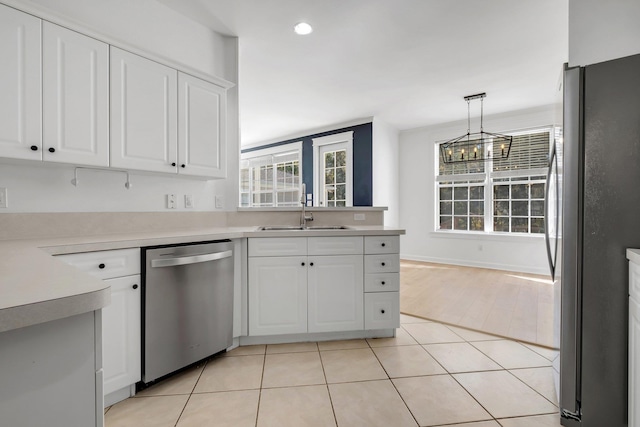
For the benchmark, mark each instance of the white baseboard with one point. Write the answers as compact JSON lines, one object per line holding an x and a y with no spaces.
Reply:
{"x":479,"y":264}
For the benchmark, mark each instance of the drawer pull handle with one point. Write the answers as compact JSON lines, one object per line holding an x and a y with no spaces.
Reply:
{"x":383,"y":264}
{"x":383,"y":283}
{"x":101,"y":266}
{"x":382,"y":311}
{"x":135,"y":286}
{"x":383,"y":245}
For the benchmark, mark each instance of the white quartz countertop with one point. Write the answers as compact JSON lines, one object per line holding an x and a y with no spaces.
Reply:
{"x":35,"y":287}
{"x":633,"y":255}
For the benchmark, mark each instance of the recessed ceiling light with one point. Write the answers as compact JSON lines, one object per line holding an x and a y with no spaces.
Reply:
{"x":302,"y":28}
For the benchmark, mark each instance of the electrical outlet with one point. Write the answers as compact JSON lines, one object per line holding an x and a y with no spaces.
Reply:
{"x":188,"y":201}
{"x":171,"y":201}
{"x":359,"y":217}
{"x":219,"y":202}
{"x":3,"y":197}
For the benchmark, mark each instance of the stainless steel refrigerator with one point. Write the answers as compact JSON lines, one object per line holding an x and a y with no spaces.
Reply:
{"x":600,"y":219}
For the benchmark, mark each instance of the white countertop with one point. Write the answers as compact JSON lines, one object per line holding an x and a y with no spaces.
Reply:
{"x":633,"y":255}
{"x":36,"y":288}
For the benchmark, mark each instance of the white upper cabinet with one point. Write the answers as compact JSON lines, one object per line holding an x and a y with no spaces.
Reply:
{"x":75,"y":97}
{"x":143,"y":113}
{"x":20,"y":85}
{"x":201,"y":127}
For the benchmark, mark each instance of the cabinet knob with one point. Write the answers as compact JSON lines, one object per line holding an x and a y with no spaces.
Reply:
{"x":173,"y":164}
{"x":383,"y":245}
{"x":311,"y":264}
{"x":135,"y":286}
{"x":183,"y":166}
{"x":101,"y":266}
{"x":52,"y":150}
{"x":303,"y":264}
{"x":383,"y":264}
{"x":382,"y":311}
{"x":34,"y":148}
{"x":383,"y":283}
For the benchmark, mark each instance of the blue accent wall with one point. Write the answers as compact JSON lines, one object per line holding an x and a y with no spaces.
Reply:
{"x":362,"y":160}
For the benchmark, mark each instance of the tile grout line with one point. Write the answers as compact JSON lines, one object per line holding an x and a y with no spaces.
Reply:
{"x":191,"y":393}
{"x":264,"y":364}
{"x":326,"y":383}
{"x":393,"y":384}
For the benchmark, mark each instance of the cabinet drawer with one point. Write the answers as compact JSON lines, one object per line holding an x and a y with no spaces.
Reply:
{"x":351,"y":245}
{"x":381,"y":310}
{"x":634,"y":281}
{"x":381,"y":244}
{"x":106,"y":264}
{"x":277,"y":246}
{"x":382,"y":282}
{"x":389,"y":263}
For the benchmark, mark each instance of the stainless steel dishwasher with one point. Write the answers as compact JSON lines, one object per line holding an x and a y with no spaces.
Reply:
{"x":187,"y":305}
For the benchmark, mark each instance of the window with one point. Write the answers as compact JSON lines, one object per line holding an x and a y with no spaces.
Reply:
{"x":271,"y":176}
{"x":498,"y":195}
{"x":333,"y":170}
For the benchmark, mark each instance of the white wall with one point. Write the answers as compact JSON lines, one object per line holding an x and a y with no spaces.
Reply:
{"x":146,"y":26}
{"x":417,"y":202}
{"x":386,"y":180}
{"x":603,"y":30}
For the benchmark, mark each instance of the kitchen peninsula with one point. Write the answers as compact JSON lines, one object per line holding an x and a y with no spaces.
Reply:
{"x":55,"y":303}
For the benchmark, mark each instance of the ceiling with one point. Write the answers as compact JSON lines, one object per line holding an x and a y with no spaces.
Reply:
{"x":408,"y":63}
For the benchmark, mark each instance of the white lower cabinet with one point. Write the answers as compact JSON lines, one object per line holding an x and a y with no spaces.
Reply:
{"x":317,"y":285}
{"x":382,"y":310}
{"x":382,"y":283}
{"x":121,"y":320}
{"x":121,"y":334}
{"x":277,"y":295}
{"x":335,"y":286}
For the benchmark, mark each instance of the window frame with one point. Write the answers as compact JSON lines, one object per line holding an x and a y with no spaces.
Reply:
{"x":488,"y":180}
{"x":333,"y":142}
{"x":274,"y":152}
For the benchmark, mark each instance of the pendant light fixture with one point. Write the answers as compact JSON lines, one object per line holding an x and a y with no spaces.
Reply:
{"x":473,"y":147}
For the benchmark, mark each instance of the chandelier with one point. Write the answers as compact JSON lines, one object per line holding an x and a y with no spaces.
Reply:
{"x":472,"y":147}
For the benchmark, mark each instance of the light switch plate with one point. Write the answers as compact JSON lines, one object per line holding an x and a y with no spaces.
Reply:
{"x":219,"y":202}
{"x":188,"y":201}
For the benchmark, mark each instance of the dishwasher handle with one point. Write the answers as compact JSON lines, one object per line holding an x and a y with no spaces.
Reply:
{"x":171,"y":262}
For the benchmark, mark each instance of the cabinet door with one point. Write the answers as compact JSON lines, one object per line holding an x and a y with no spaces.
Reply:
{"x":143,"y":113}
{"x":201,"y":127}
{"x":634,"y":363}
{"x":336,"y":286}
{"x":381,"y":310}
{"x":20,"y":85}
{"x":121,"y":334}
{"x":75,"y":97}
{"x":277,"y":295}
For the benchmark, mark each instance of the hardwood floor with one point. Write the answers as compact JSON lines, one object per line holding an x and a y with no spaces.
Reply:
{"x":504,"y":303}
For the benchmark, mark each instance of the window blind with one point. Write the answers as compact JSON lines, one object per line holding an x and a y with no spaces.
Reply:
{"x":528,"y":151}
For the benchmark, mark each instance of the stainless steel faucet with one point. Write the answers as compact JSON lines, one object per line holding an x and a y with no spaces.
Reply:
{"x":304,"y":217}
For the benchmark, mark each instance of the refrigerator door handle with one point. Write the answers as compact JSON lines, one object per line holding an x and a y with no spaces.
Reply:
{"x":552,"y":162}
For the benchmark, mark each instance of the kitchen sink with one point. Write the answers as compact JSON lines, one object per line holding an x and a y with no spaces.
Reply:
{"x":297,"y":227}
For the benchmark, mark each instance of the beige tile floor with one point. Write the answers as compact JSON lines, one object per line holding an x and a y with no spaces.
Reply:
{"x":512,"y":305}
{"x":430,"y":374}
